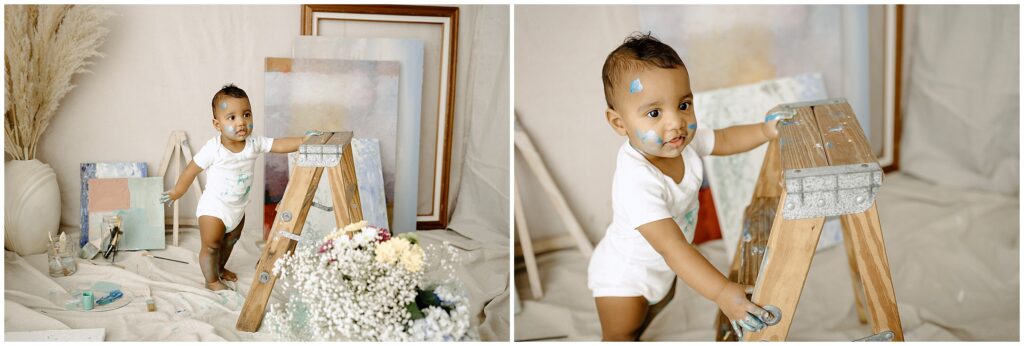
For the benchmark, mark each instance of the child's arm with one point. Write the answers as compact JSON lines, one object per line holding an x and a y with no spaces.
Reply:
{"x":697,"y":272}
{"x":740,"y":138}
{"x":291,"y":144}
{"x":184,"y":181}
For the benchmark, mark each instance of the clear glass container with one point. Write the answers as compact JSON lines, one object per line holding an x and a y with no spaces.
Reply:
{"x":61,"y":256}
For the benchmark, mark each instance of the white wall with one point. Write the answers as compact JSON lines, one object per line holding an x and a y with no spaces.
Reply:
{"x":559,"y":100}
{"x":162,"y":66}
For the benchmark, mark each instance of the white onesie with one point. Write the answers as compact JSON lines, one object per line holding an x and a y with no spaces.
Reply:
{"x":624,"y":264}
{"x":228,"y":178}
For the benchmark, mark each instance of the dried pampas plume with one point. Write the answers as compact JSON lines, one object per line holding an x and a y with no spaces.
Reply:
{"x":44,"y":45}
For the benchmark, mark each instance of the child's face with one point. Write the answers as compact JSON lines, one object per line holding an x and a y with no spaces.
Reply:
{"x":233,"y":118}
{"x":654,"y":108}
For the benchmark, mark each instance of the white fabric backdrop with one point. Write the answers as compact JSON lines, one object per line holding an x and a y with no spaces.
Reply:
{"x":962,"y":119}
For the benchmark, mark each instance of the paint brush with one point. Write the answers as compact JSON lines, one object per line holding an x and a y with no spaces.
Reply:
{"x":147,"y":254}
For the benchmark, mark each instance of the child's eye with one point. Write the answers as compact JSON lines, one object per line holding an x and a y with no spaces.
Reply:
{"x":685,"y":106}
{"x":654,"y":113}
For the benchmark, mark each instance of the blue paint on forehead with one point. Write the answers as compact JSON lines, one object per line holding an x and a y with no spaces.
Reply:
{"x":636,"y":86}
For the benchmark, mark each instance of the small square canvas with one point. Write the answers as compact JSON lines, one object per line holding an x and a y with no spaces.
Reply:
{"x":136,"y":200}
{"x":92,"y":170}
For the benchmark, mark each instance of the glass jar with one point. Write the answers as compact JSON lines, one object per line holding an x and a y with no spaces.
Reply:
{"x":61,"y":257}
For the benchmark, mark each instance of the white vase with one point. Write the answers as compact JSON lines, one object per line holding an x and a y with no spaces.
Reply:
{"x":31,"y":206}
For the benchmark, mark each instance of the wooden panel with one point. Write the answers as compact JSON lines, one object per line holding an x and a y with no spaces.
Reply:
{"x":843,"y":138}
{"x":298,"y":197}
{"x":801,"y":142}
{"x":344,"y":188}
{"x":781,"y":280}
{"x":769,"y":182}
{"x":337,"y":138}
{"x":858,"y":289}
{"x":873,"y":265}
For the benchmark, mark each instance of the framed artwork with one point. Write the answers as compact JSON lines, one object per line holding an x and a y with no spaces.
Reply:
{"x":438,"y":28}
{"x":331,"y":95}
{"x":409,"y":53}
{"x":90,"y":170}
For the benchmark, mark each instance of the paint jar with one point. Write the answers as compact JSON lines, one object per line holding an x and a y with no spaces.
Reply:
{"x":88,"y":300}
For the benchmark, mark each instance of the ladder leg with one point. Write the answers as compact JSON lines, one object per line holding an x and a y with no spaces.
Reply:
{"x":786,"y":262}
{"x":527,"y":244}
{"x":298,"y":197}
{"x":873,"y":266}
{"x":344,"y":190}
{"x":858,"y":289}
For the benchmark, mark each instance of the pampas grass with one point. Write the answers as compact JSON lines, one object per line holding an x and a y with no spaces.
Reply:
{"x":44,"y":46}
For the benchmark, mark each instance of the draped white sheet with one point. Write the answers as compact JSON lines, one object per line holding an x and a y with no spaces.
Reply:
{"x":953,"y":254}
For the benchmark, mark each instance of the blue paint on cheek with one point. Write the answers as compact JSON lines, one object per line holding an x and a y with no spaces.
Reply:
{"x":249,"y":126}
{"x":229,"y":129}
{"x":636,"y":86}
{"x":692,"y":126}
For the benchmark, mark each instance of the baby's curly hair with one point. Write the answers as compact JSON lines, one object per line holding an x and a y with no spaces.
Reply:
{"x":638,"y":52}
{"x":227,"y":90}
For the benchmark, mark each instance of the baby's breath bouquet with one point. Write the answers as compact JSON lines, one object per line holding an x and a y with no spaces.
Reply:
{"x":362,"y":284}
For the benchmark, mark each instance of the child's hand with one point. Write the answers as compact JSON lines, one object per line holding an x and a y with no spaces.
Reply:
{"x":169,"y":197}
{"x":743,"y":314}
{"x":771,"y":121}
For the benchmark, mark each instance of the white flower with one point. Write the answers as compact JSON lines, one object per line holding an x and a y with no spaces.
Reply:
{"x":412,"y":258}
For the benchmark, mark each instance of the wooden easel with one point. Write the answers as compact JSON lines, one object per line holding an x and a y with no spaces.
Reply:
{"x":177,"y":149}
{"x":820,"y":166}
{"x":333,"y":151}
{"x":576,"y":235}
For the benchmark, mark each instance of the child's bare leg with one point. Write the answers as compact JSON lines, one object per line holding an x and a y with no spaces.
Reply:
{"x":211,"y":229}
{"x":621,"y":317}
{"x":226,"y":246}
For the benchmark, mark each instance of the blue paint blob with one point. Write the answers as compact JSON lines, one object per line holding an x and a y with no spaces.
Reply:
{"x":829,"y":144}
{"x":838,"y":128}
{"x":635,"y":86}
{"x":224,"y":105}
{"x":692,"y":126}
{"x":250,"y":127}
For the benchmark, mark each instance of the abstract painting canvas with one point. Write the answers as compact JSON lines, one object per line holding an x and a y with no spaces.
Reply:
{"x":92,"y":170}
{"x":320,"y":219}
{"x":409,"y":53}
{"x":330,"y":95}
{"x":137,"y":201}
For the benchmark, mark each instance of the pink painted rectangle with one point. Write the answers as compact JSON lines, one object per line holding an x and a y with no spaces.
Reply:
{"x":108,"y":194}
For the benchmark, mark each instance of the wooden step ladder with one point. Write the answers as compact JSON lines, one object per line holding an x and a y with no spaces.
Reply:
{"x":331,"y":150}
{"x":821,"y":165}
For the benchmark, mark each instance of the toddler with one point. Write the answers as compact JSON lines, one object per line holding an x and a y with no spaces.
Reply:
{"x":658,"y":174}
{"x":229,"y":159}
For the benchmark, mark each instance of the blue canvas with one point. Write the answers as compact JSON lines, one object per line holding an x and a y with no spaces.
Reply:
{"x":92,"y":170}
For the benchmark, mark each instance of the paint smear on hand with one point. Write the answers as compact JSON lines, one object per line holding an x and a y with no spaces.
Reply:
{"x":636,"y":86}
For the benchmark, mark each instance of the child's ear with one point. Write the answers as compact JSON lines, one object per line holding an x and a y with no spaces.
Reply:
{"x":216,"y":124}
{"x":615,"y":120}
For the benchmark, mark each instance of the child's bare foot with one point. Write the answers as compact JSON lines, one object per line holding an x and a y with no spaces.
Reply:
{"x":227,"y":275}
{"x":216,"y":286}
